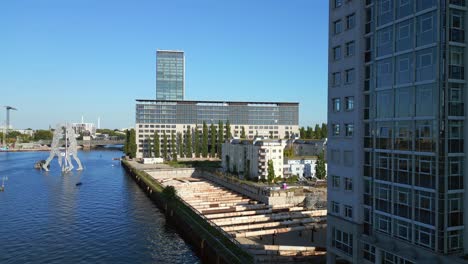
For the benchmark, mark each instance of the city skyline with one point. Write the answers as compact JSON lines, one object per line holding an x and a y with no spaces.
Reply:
{"x":263,"y":58}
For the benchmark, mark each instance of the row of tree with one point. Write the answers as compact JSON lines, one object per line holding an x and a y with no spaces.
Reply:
{"x":205,"y":143}
{"x":319,"y":132}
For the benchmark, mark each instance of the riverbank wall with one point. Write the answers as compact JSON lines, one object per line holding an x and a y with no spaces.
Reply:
{"x":210,"y":244}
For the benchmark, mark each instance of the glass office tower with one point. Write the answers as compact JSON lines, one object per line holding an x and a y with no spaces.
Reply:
{"x":170,"y":75}
{"x":402,"y":61}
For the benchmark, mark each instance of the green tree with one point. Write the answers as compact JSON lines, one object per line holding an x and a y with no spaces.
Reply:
{"x":44,"y":135}
{"x":180,"y":145}
{"x":302,"y":133}
{"x":309,"y":133}
{"x":150,"y":147}
{"x":317,"y":132}
{"x":173,"y":147}
{"x":228,"y":130}
{"x":320,"y":171}
{"x":271,"y":172}
{"x":196,"y":144}
{"x":220,"y":138}
{"x":188,"y":143}
{"x":164,"y":146}
{"x":324,"y":130}
{"x":132,"y":144}
{"x":242,"y":135}
{"x":127,"y":141}
{"x":271,"y":134}
{"x":213,"y":140}
{"x":288,"y":151}
{"x":156,"y":145}
{"x":205,"y":140}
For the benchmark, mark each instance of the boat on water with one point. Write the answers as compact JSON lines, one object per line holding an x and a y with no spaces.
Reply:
{"x":78,"y":183}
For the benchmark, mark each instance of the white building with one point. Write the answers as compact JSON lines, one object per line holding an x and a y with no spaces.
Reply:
{"x":304,"y":168}
{"x":250,"y":158}
{"x":85,"y":128}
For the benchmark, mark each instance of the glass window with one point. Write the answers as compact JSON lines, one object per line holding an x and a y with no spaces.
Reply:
{"x":337,"y":26}
{"x":336,"y":129}
{"x":384,"y":104}
{"x":384,"y":73}
{"x":349,"y":130}
{"x":426,"y":65}
{"x":404,"y":8}
{"x":350,"y":21}
{"x":335,"y":181}
{"x":404,"y":35}
{"x":338,"y":3}
{"x":337,"y":53}
{"x":385,"y":41}
{"x":425,"y":102}
{"x":335,"y":207}
{"x":336,"y":104}
{"x":348,"y":211}
{"x":385,"y":14}
{"x":350,"y":46}
{"x":349,"y":103}
{"x":348,"y":184}
{"x":336,"y":78}
{"x":426,"y":29}
{"x":349,"y":76}
{"x":404,"y":69}
{"x":404,"y":104}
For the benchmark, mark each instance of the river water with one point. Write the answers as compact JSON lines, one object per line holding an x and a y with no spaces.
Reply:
{"x":46,"y":218}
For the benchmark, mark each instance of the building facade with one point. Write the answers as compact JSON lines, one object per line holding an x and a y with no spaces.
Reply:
{"x":87,"y":129}
{"x":170,"y":75}
{"x":270,"y":119}
{"x":396,"y":157}
{"x":249,"y":159}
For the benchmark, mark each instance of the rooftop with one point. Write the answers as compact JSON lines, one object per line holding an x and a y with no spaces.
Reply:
{"x":219,"y":103}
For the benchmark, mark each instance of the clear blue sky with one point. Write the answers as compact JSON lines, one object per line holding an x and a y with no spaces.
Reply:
{"x":60,"y":60}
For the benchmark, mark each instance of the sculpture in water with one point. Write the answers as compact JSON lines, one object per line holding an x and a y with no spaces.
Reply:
{"x":67,"y":134}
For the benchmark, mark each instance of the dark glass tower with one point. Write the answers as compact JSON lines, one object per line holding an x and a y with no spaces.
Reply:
{"x":170,"y":75}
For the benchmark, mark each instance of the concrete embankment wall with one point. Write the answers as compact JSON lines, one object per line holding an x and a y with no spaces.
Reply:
{"x":173,"y":173}
{"x":256,"y":193}
{"x":210,"y":246}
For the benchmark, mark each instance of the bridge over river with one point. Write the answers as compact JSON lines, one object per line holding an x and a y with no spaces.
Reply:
{"x":91,"y":143}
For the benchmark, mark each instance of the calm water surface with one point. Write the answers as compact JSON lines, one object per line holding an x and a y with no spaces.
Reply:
{"x":46,"y":218}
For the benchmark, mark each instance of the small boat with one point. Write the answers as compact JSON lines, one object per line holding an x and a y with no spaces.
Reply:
{"x":78,"y":183}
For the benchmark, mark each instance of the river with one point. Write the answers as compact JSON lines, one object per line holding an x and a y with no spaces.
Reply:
{"x":46,"y":218}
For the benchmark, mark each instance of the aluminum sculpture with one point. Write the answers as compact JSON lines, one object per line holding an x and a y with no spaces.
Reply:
{"x":67,"y":134}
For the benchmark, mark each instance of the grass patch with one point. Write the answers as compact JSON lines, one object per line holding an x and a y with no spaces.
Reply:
{"x":202,"y":164}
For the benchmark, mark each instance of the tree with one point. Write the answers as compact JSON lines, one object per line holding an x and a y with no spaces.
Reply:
{"x":228,"y":130}
{"x":127,"y":142}
{"x":150,"y":147}
{"x":213,"y":140}
{"x":164,"y":146}
{"x":132,"y":146}
{"x":271,"y":172}
{"x":157,"y":145}
{"x":205,"y":140}
{"x":289,"y":151}
{"x":46,"y":135}
{"x":256,"y":133}
{"x":317,"y":132}
{"x":302,"y":133}
{"x":196,"y":144}
{"x":173,"y":147}
{"x":242,"y":132}
{"x":188,"y":143}
{"x":320,"y":171}
{"x":324,"y":130}
{"x":180,"y":145}
{"x":271,"y":134}
{"x":309,"y":134}
{"x":220,"y":138}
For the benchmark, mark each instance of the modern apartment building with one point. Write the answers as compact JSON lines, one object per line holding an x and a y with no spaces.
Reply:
{"x":170,"y":75}
{"x":277,"y":120}
{"x":396,"y":157}
{"x":250,"y":158}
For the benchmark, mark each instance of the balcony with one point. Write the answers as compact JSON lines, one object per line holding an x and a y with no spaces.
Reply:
{"x":367,"y":56}
{"x":456,"y":109}
{"x":457,"y":35}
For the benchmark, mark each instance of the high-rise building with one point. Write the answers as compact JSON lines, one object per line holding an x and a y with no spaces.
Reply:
{"x":170,"y":75}
{"x":396,"y":157}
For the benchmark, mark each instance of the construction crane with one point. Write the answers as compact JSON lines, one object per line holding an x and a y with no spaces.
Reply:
{"x":5,"y":130}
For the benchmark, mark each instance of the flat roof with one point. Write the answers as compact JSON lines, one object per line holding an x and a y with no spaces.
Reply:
{"x":193,"y":102}
{"x":178,"y":51}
